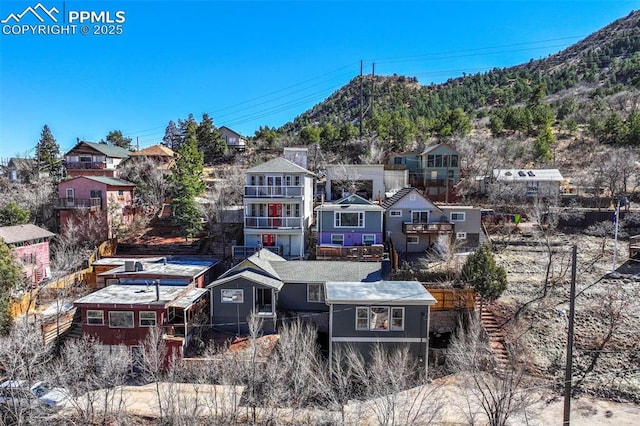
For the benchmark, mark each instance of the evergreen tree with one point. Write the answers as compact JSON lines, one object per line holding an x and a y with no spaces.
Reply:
{"x":188,"y":183}
{"x":48,"y":155}
{"x":116,"y":138}
{"x":481,"y":271}
{"x":172,"y":138}
{"x":13,"y":214}
{"x":209,"y":138}
{"x":11,"y":274}
{"x":183,"y":129}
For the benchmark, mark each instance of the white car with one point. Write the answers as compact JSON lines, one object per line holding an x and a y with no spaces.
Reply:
{"x":17,"y":393}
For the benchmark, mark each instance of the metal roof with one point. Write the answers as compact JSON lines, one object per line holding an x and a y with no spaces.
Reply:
{"x":188,"y":299}
{"x":278,"y":165}
{"x":388,"y":292}
{"x":106,"y":149}
{"x":131,"y":295}
{"x":21,"y":233}
{"x":528,"y":175}
{"x":109,"y":180}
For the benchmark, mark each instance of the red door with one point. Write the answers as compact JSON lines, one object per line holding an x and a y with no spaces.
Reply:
{"x":268,"y":240}
{"x":274,"y":212}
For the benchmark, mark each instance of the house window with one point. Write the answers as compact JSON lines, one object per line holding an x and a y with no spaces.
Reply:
{"x":457,"y":217}
{"x":120,"y":195}
{"x":379,"y":318}
{"x":349,"y":219}
{"x":454,"y":160}
{"x":232,"y":295}
{"x":368,"y":239}
{"x":420,"y":216}
{"x":430,"y":160}
{"x":412,"y":239}
{"x":296,"y":180}
{"x":362,"y":318}
{"x":461,"y":235}
{"x":70,"y":195}
{"x":395,"y":213}
{"x":397,"y":160}
{"x":337,"y":239}
{"x":148,"y":319}
{"x":95,"y":317}
{"x":438,"y":162}
{"x":397,"y":319}
{"x":121,"y":319}
{"x":287,"y":180}
{"x":315,"y":293}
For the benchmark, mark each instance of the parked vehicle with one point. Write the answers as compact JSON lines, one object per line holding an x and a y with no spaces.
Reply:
{"x":17,"y":393}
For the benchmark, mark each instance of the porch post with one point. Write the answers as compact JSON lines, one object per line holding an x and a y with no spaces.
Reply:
{"x":426,"y":357}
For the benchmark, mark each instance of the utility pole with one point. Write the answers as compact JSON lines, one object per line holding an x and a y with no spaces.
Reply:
{"x":137,"y":144}
{"x":361,"y":96}
{"x":373,"y":73}
{"x":568,"y":371}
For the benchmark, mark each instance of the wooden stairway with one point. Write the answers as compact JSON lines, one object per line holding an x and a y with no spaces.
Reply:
{"x":496,"y":336}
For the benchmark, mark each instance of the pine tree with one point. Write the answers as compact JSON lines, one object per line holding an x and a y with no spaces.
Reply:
{"x":188,"y":183}
{"x":48,"y":155}
{"x":172,"y":138}
{"x":209,"y":138}
{"x":116,"y":138}
{"x":481,"y":271}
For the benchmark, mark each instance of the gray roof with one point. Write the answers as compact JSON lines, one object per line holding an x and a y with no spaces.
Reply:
{"x":387,"y":292}
{"x":528,"y":175}
{"x":251,"y":276}
{"x":397,"y":197}
{"x":21,"y":163}
{"x":109,"y":180}
{"x":155,"y":267}
{"x":327,"y":207}
{"x":131,"y":295}
{"x":106,"y":149}
{"x":278,"y":165}
{"x":327,"y":270}
{"x":189,"y":298}
{"x":433,"y":147}
{"x":21,"y":233}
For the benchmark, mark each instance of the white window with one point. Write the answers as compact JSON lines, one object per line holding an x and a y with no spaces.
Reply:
{"x":413,"y":239}
{"x":368,"y":239}
{"x":362,"y":318}
{"x":70,"y":194}
{"x":337,"y":239}
{"x":397,"y":319}
{"x":95,"y":317}
{"x":349,"y":219}
{"x":121,"y":319}
{"x":315,"y":293}
{"x":395,"y":213}
{"x":148,"y":319}
{"x":296,"y":180}
{"x":232,"y":295}
{"x":379,"y":318}
{"x":457,"y":217}
{"x":412,"y":197}
{"x":461,"y":235}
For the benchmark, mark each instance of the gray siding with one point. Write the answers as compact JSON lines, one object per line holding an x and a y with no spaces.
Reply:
{"x":231,"y":316}
{"x":372,"y":222}
{"x":293,"y":297}
{"x":366,"y":348}
{"x":344,"y":323}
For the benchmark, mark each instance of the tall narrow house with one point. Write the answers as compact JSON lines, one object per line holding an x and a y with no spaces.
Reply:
{"x":278,"y":207}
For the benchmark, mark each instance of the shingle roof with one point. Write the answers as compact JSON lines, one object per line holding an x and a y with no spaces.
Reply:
{"x":106,"y":149}
{"x":396,"y":197}
{"x":20,"y":233}
{"x":155,"y":150}
{"x":278,"y":165}
{"x":327,"y":270}
{"x":396,"y":292}
{"x":431,"y":148}
{"x":251,"y":276}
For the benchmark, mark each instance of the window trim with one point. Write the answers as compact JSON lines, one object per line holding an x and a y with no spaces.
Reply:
{"x":464,"y":216}
{"x":420,"y":214}
{"x":337,"y":235}
{"x":236,"y":290}
{"x":391,"y":326}
{"x":101,"y":317}
{"x":461,"y":235}
{"x":385,"y":327}
{"x":368,"y":235}
{"x":417,"y":241}
{"x":155,"y":318}
{"x":365,"y":317}
{"x":133,"y":322}
{"x":395,"y":213}
{"x":360,"y":220}
{"x":320,"y":293}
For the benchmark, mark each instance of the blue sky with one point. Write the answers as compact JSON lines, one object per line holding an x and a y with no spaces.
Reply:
{"x":257,"y":63}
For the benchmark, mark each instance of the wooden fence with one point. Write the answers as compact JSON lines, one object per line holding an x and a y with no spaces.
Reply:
{"x":449,"y":299}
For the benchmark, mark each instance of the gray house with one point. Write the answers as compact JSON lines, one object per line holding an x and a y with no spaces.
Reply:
{"x":390,"y":313}
{"x":468,"y":226}
{"x":350,"y":221}
{"x":275,"y":288}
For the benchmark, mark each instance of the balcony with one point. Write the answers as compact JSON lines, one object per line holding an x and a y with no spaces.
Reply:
{"x":263,"y":191}
{"x":84,"y":165}
{"x":242,"y":252}
{"x":371,"y":253}
{"x":427,"y":228}
{"x":273,"y":222}
{"x":79,"y":203}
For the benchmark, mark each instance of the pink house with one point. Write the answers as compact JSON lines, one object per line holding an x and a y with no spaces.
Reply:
{"x":100,"y":201}
{"x":31,"y":246}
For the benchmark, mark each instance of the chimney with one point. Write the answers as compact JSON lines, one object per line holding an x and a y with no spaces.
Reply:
{"x":157,"y":283}
{"x":385,"y":267}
